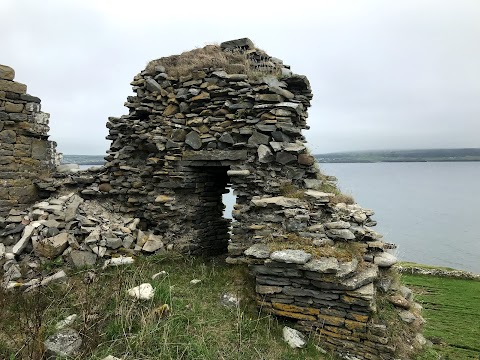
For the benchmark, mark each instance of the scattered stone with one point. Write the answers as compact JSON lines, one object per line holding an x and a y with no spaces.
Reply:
{"x":229,"y":300}
{"x":64,"y":343}
{"x":195,"y":281}
{"x":144,"y":291}
{"x":153,"y":243}
{"x":160,"y":273}
{"x":53,"y":246}
{"x":294,"y":338}
{"x":118,"y":261}
{"x":68,"y":321}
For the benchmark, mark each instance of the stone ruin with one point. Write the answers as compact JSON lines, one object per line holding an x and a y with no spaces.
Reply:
{"x":26,"y":154}
{"x":215,"y":118}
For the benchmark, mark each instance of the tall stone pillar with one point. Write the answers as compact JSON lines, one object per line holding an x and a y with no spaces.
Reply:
{"x":26,"y":154}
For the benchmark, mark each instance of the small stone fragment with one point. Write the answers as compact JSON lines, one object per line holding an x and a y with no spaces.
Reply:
{"x":144,"y":291}
{"x":294,"y":338}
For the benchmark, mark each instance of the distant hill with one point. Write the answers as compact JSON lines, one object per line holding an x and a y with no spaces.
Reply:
{"x":471,"y":154}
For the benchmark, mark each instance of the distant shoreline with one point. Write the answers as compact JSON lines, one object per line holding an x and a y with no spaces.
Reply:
{"x":425,"y":155}
{"x":391,"y":161}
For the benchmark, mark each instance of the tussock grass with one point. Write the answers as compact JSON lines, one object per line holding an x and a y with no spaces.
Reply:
{"x":197,"y":326}
{"x":291,"y":191}
{"x":452,"y":311}
{"x":213,"y":57}
{"x":342,"y":251}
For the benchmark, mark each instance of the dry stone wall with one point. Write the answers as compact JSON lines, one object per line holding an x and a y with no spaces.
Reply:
{"x":26,"y":154}
{"x":220,"y":117}
{"x":193,"y":130}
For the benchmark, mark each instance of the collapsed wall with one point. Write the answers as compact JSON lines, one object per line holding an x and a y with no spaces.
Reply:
{"x":220,"y":117}
{"x":232,"y":116}
{"x":26,"y":154}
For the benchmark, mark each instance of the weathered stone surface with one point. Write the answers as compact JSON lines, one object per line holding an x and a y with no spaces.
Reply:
{"x":143,"y":291}
{"x":363,"y":278}
{"x":294,"y":338}
{"x":319,"y":195}
{"x":399,"y":301}
{"x":13,"y":87}
{"x":284,"y":157}
{"x":268,"y":289}
{"x":6,"y":72}
{"x":193,"y":140}
{"x":277,"y":201}
{"x":264,"y":154}
{"x":258,"y":138}
{"x":305,"y":159}
{"x":154,"y":243}
{"x":259,"y":251}
{"x":64,"y":343}
{"x":243,"y":43}
{"x":82,"y":259}
{"x":407,"y":316}
{"x":343,"y":234}
{"x":291,"y":256}
{"x":323,"y":265}
{"x":51,"y":247}
{"x":385,"y":260}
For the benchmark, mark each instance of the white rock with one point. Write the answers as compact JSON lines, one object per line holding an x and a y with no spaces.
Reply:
{"x":161,"y":273}
{"x":69,"y":320}
{"x":195,"y":281}
{"x":278,"y":201}
{"x":64,"y":343}
{"x":111,"y":357}
{"x":293,"y":337}
{"x":99,"y":250}
{"x":142,"y":292}
{"x":2,"y":251}
{"x":122,"y":260}
{"x":9,"y":256}
{"x":385,"y":260}
{"x":58,"y":276}
{"x":291,"y":256}
{"x":22,"y":243}
{"x":153,"y":243}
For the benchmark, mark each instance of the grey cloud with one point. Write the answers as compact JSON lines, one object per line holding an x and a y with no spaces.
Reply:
{"x":384,"y":74}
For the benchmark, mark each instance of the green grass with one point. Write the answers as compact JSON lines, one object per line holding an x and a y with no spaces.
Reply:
{"x":452,"y":311}
{"x":198,"y":326}
{"x":407,"y":264}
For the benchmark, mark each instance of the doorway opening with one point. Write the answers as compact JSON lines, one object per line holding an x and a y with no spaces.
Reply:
{"x":212,"y":227}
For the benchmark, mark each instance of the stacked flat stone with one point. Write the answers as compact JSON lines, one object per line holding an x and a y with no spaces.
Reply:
{"x":190,"y":135}
{"x":25,"y":152}
{"x":186,"y":138}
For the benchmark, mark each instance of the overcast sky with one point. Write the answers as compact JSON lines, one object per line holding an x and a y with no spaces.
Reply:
{"x":385,"y":74}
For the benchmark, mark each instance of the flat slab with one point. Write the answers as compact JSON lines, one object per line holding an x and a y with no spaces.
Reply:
{"x":215,"y":155}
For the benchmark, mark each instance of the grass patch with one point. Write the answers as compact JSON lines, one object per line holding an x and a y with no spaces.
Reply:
{"x":343,"y":251}
{"x":291,"y":191}
{"x":452,"y":311}
{"x":407,"y":264}
{"x":212,"y":56}
{"x":196,"y":326}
